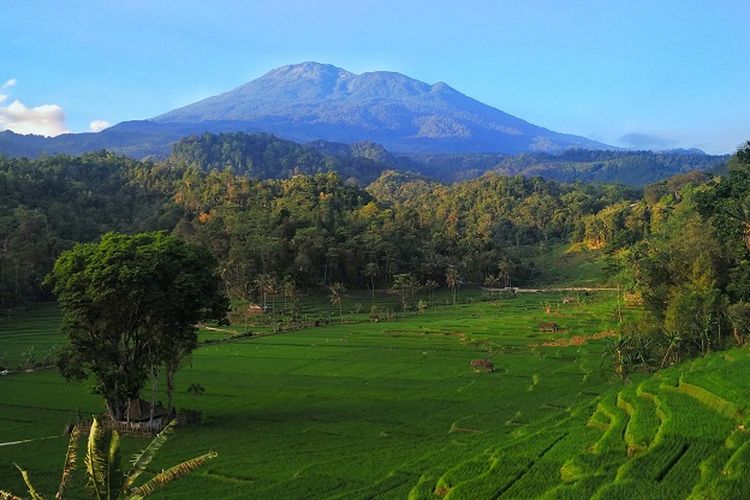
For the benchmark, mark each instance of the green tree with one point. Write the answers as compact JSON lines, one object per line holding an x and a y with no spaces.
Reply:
{"x":452,"y":279}
{"x":371,"y":271}
{"x":405,"y":285}
{"x":430,"y":286}
{"x":739,"y":316}
{"x":337,"y":291}
{"x":130,"y":302}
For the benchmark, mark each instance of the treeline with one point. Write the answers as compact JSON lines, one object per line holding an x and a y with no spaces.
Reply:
{"x":50,"y":204}
{"x":316,"y":230}
{"x":632,"y":168}
{"x":265,"y":156}
{"x":683,"y":252}
{"x":311,"y":229}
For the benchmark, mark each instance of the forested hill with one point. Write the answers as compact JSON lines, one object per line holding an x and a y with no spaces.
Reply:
{"x":314,"y":229}
{"x":263,"y":156}
{"x":633,"y":168}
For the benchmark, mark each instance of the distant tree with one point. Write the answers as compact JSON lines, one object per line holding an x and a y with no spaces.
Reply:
{"x":430,"y":286}
{"x":130,"y":302}
{"x":452,"y":280}
{"x":266,"y":285}
{"x":289,"y":288}
{"x":371,"y":271}
{"x":336,"y":296}
{"x":739,"y":316}
{"x":405,"y":286}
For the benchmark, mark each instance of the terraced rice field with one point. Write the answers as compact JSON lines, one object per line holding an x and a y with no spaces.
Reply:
{"x":393,"y":410}
{"x":681,"y":433}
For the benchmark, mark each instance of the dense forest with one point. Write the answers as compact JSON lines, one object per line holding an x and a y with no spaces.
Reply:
{"x":314,"y":229}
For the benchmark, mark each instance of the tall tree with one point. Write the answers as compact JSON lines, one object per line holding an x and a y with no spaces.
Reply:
{"x":371,"y":271}
{"x":452,"y":279}
{"x":336,"y":296}
{"x":128,"y":302}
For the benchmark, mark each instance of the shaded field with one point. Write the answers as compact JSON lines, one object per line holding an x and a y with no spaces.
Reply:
{"x":31,"y":332}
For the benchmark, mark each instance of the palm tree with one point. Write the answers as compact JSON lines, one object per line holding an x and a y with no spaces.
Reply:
{"x":430,"y":286}
{"x":290,"y":290}
{"x":504,"y":268}
{"x":337,"y":297}
{"x":104,"y":471}
{"x":371,"y":271}
{"x":452,"y":280}
{"x":266,"y":284}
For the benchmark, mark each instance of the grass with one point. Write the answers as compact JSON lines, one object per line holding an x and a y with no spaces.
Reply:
{"x":393,"y":409}
{"x":351,"y":410}
{"x":28,"y":328}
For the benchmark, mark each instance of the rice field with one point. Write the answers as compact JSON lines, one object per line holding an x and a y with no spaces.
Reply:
{"x":393,"y":409}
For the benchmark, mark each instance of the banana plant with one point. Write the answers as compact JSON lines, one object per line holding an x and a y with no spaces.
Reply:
{"x":106,"y":479}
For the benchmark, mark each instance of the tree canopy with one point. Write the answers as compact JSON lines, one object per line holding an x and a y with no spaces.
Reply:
{"x":131,"y":303}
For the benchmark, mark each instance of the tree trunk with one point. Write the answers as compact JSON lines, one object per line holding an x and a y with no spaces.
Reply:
{"x":154,"y":388}
{"x":171,"y":368}
{"x":737,"y":335}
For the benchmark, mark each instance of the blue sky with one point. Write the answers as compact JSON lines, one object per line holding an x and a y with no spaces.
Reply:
{"x":641,"y":73}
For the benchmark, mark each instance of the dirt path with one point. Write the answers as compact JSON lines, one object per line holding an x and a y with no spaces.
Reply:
{"x":515,"y":289}
{"x":215,"y":329}
{"x":12,"y":443}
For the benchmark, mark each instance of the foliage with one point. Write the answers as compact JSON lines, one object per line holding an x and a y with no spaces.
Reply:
{"x":131,"y":303}
{"x":689,"y":267}
{"x":50,"y":204}
{"x":106,"y":477}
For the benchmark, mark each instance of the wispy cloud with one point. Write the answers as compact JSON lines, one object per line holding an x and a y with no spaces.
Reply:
{"x":98,"y":125}
{"x":46,"y":119}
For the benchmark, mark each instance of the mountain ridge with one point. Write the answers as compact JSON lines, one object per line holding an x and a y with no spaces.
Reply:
{"x":311,"y":101}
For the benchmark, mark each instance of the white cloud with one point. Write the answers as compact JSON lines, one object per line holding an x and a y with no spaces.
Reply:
{"x":10,"y":83}
{"x":47,"y":119}
{"x":98,"y":125}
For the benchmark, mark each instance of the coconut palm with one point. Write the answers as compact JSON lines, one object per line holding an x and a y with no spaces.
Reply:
{"x":104,"y":471}
{"x":337,"y":291}
{"x":452,"y":280}
{"x":371,"y":271}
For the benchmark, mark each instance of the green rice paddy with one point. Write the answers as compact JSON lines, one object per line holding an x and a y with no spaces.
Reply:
{"x":393,"y":410}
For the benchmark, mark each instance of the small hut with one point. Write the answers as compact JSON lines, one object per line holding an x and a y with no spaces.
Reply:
{"x":546,"y":327}
{"x":139,"y":417}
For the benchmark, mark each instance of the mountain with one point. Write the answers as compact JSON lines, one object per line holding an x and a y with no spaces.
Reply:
{"x":360,"y":125}
{"x":312,"y":101}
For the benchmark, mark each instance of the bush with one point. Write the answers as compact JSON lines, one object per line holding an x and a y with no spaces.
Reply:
{"x":374,"y":314}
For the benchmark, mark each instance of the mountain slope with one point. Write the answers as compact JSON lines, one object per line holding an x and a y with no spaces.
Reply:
{"x":311,"y":101}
